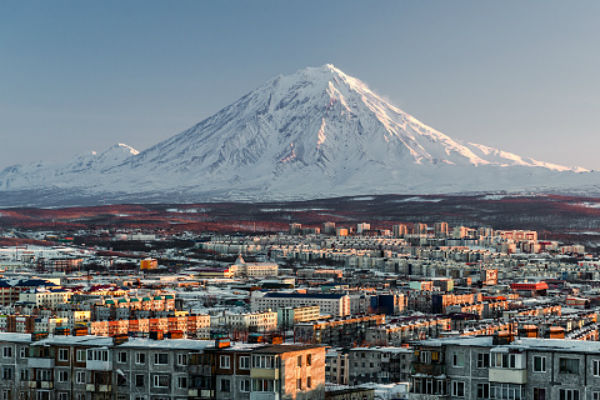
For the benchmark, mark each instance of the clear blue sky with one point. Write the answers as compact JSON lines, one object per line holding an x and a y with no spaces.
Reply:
{"x":82,"y":75}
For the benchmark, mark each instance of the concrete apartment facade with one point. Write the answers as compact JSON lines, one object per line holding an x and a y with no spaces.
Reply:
{"x":526,"y":369}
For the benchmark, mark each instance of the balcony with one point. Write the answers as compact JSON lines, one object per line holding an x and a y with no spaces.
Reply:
{"x":504,"y":375}
{"x":98,"y":365}
{"x":41,"y":384}
{"x":90,"y":387}
{"x":45,"y":363}
{"x":264,"y":396}
{"x":420,"y":396}
{"x":264,"y":373}
{"x":429,"y":369}
{"x":46,"y":385}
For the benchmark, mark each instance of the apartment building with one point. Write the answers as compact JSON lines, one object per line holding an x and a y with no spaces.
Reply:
{"x":46,"y":297}
{"x":288,"y":316}
{"x":379,"y":364}
{"x":337,"y":367}
{"x":483,"y":368}
{"x":257,"y":321}
{"x":346,"y":331}
{"x":121,"y":368}
{"x":154,"y":369}
{"x":257,"y":372}
{"x":332,"y":304}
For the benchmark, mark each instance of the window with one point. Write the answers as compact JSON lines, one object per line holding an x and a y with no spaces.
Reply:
{"x":139,"y":380}
{"x":458,"y":360}
{"x":568,"y":366}
{"x":7,"y":351}
{"x":63,"y":376}
{"x":122,"y":357}
{"x":140,"y":358}
{"x":263,"y":362}
{"x":425,"y":357}
{"x":596,"y":368}
{"x":225,"y":385}
{"x":539,"y":394}
{"x":23,"y":352}
{"x":458,"y":389}
{"x":63,"y":354}
{"x":244,"y":362}
{"x":6,"y":373}
{"x":63,"y":396}
{"x":299,"y":384}
{"x":483,"y":360}
{"x":182,"y":359}
{"x":80,"y":377}
{"x":483,"y":390}
{"x":97,"y":355}
{"x":24,"y":374}
{"x":245,"y":385}
{"x":504,"y":360}
{"x":539,"y":364}
{"x":160,"y":381}
{"x":161,"y":358}
{"x":299,"y":361}
{"x":568,"y":394}
{"x":263,"y":385}
{"x":595,"y":396}
{"x":309,"y":359}
{"x":308,"y":382}
{"x":182,"y":382}
{"x":80,"y":355}
{"x":224,"y":362}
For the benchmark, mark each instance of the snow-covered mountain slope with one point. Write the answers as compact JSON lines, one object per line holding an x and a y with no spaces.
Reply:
{"x":64,"y":173}
{"x":315,"y":133}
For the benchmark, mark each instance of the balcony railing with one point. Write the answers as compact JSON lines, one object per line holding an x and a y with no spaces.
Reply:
{"x":264,"y":396}
{"x":45,"y":363}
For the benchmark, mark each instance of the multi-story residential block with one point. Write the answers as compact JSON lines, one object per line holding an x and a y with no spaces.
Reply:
{"x":337,"y":367}
{"x":482,"y":368}
{"x":379,"y":364}
{"x":346,"y":331}
{"x":257,"y":372}
{"x":264,"y":321}
{"x":288,"y":316}
{"x":111,"y":368}
{"x":332,"y":304}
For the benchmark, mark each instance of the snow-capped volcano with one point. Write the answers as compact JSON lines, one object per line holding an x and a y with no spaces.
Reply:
{"x":315,"y":133}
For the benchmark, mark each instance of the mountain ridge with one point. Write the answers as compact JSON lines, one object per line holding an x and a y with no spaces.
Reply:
{"x":314,"y":133}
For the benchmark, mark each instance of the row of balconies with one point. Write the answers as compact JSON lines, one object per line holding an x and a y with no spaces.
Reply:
{"x":48,"y":363}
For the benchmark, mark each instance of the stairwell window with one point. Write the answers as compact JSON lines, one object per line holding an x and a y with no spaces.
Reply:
{"x":596,"y":368}
{"x":458,"y":360}
{"x":568,"y":366}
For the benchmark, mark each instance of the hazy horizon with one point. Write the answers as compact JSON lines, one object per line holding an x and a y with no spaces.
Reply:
{"x":77,"y":77}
